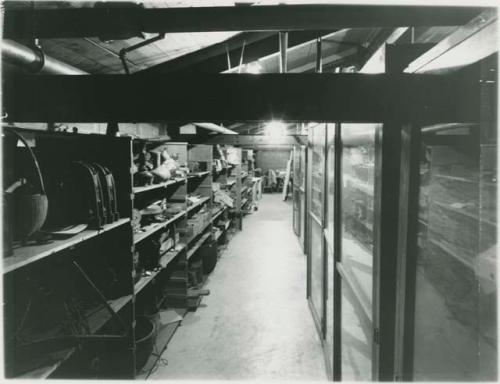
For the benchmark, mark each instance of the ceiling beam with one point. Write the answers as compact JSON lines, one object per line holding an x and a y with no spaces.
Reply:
{"x":213,"y":59}
{"x":225,"y":97}
{"x":92,"y":22}
{"x":204,"y":54}
{"x":467,"y":45}
{"x":247,"y":140}
{"x":302,"y":56}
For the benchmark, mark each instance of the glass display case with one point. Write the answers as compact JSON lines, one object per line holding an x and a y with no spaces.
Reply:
{"x":455,"y":293}
{"x":299,"y":174}
{"x":329,"y":238}
{"x":316,"y":185}
{"x":357,"y":248}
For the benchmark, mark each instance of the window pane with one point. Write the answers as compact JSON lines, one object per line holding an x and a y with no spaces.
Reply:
{"x":317,"y":170}
{"x":355,"y":338}
{"x":317,"y":268}
{"x":357,"y":203}
{"x":358,"y":156}
{"x":455,"y":313}
{"x":330,"y":171}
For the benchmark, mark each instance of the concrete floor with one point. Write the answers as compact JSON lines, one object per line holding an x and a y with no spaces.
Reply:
{"x":256,"y":322}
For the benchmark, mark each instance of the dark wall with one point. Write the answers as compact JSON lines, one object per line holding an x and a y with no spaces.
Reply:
{"x":272,"y":159}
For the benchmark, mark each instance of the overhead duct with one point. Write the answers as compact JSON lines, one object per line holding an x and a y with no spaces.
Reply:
{"x":33,"y":60}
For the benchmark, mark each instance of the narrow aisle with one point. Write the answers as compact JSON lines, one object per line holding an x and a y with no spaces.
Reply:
{"x":256,"y":322}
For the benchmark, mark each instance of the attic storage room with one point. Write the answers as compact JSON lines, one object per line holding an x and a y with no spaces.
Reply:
{"x":221,"y":190}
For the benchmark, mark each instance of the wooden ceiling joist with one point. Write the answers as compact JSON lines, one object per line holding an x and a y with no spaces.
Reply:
{"x":92,"y":22}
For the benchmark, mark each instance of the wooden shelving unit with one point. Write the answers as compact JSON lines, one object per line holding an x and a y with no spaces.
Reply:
{"x":25,"y":255}
{"x":159,"y":185}
{"x":72,"y":256}
{"x":163,"y":281}
{"x":153,"y":228}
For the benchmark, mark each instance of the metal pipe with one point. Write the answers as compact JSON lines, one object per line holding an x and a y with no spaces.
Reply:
{"x":283,"y":51}
{"x":29,"y":59}
{"x":124,"y":51}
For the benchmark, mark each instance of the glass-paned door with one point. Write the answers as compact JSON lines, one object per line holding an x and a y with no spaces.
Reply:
{"x":449,"y":326}
{"x":455,"y":288}
{"x":298,"y":190}
{"x":357,"y":249}
{"x":302,"y":203}
{"x":329,"y":244}
{"x":316,"y":188}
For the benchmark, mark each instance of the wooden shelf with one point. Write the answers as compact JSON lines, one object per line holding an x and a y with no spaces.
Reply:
{"x":197,"y":174}
{"x":218,"y":213}
{"x":156,"y":186}
{"x":230,"y":182}
{"x":138,"y":237}
{"x":198,"y":203}
{"x":463,"y":213}
{"x":145,"y":280}
{"x":226,"y":225}
{"x":44,"y":372}
{"x":466,"y":180}
{"x":218,"y":233}
{"x":164,"y":261}
{"x":197,"y":245}
{"x":29,"y":254}
{"x":445,"y":248}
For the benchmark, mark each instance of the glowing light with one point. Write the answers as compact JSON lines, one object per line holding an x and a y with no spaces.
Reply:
{"x":254,"y":68}
{"x":275,"y":128}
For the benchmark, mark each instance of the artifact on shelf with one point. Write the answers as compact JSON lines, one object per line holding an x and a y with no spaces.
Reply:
{"x":222,"y":197}
{"x":143,"y":176}
{"x":26,"y":203}
{"x":153,"y":213}
{"x":90,"y":206}
{"x":109,"y":192}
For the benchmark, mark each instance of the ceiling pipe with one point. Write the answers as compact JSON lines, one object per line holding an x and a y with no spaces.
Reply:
{"x":34,"y":60}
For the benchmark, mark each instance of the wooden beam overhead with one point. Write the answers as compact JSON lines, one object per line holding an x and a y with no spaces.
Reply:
{"x":245,"y":97}
{"x":467,"y":45}
{"x":119,"y":22}
{"x":247,"y":140}
{"x":213,"y":59}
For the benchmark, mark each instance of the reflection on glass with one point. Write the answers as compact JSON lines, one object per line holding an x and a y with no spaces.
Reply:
{"x":357,"y":201}
{"x":358,"y":156}
{"x":296,"y":211}
{"x":356,"y":339}
{"x":297,"y":167}
{"x":317,"y":170}
{"x":302,"y":158}
{"x":317,"y":268}
{"x":455,"y":313}
{"x":330,"y":171}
